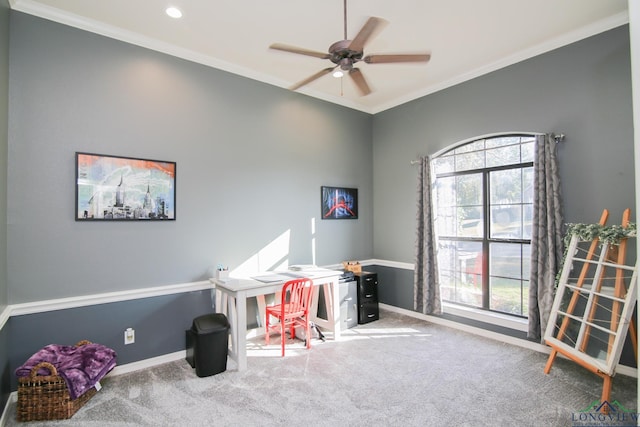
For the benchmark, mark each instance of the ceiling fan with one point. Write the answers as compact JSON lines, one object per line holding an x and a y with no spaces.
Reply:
{"x":346,"y":53}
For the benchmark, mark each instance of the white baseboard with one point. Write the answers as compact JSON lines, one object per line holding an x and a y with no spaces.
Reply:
{"x":148,"y":363}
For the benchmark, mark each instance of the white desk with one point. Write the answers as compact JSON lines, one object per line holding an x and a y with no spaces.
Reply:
{"x":232,"y":294}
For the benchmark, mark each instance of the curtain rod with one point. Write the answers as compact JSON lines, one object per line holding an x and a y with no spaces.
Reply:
{"x":557,"y":137}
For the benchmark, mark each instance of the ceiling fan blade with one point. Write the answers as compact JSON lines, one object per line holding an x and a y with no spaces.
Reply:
{"x":372,"y":27}
{"x":299,"y":50}
{"x":385,"y":59}
{"x":361,"y":83}
{"x":312,"y":78}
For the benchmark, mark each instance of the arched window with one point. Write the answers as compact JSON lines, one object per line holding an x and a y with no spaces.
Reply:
{"x":484,"y":206}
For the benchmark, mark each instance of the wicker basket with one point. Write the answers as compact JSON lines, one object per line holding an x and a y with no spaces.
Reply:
{"x":46,"y":397}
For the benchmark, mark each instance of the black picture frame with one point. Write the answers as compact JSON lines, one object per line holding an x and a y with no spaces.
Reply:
{"x":339,"y":202}
{"x":119,"y":188}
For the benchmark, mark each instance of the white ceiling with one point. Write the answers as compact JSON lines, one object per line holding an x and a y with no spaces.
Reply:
{"x":466,"y":38}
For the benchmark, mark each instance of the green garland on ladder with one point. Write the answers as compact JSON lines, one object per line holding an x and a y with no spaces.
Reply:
{"x":609,"y":234}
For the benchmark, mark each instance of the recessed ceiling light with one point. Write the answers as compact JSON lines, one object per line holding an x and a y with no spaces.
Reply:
{"x":174,"y":12}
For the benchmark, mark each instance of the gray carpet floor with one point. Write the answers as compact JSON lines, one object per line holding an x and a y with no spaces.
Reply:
{"x":398,"y":371}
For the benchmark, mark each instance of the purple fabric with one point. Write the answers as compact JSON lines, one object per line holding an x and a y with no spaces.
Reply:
{"x":81,"y":367}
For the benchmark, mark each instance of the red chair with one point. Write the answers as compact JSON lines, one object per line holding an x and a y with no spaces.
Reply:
{"x":292,"y":311}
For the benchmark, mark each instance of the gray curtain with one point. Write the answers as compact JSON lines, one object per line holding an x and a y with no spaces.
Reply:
{"x":426,"y":288}
{"x":546,"y":235}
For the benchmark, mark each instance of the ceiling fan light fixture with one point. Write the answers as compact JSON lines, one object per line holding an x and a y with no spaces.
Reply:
{"x":346,"y":64}
{"x":338,"y":73}
{"x":173,"y":12}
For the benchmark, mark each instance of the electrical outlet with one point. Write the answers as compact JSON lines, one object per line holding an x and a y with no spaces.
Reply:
{"x":129,"y":336}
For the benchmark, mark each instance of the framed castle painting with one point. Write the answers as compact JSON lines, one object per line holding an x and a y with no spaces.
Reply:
{"x":117,"y":188}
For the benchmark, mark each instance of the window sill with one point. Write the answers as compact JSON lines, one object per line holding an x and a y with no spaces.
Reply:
{"x":490,"y":317}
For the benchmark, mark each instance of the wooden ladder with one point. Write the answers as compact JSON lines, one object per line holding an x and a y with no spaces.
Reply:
{"x":622,"y":305}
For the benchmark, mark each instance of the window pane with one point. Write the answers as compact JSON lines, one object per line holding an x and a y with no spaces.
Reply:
{"x":470,"y":221}
{"x":469,"y":161}
{"x":446,"y":222}
{"x":527,"y":211}
{"x":528,"y":151}
{"x":525,"y":298}
{"x":526,"y":262}
{"x":508,"y":155}
{"x":469,"y":201}
{"x":460,"y":211}
{"x":525,"y":139}
{"x":502,"y":141}
{"x":443,"y":164}
{"x":472,"y":146}
{"x":505,"y":260}
{"x":527,"y":185}
{"x":445,"y":191}
{"x":506,"y":186}
{"x":460,"y":269}
{"x":469,"y":190}
{"x":506,"y":295}
{"x":509,"y":277}
{"x":571,"y":329}
{"x":506,"y":208}
{"x":506,"y":222}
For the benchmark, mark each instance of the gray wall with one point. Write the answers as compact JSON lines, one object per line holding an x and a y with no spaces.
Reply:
{"x":582,"y":90}
{"x":4,"y":88}
{"x":251,"y":159}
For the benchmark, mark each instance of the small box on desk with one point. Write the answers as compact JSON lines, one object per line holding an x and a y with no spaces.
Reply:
{"x":222,"y":274}
{"x":353,"y":266}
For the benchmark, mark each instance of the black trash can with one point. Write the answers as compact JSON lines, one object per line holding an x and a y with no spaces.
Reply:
{"x":208,"y":344}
